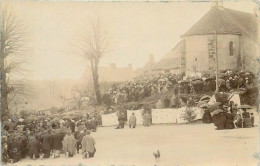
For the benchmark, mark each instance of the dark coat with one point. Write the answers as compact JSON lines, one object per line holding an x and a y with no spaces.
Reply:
{"x":206,"y":118}
{"x":72,"y":126}
{"x":57,"y":141}
{"x":88,"y":126}
{"x":229,"y":121}
{"x":94,"y":124}
{"x":47,"y":142}
{"x":121,"y":120}
{"x":219,"y":120}
{"x":34,"y":147}
{"x":14,"y":149}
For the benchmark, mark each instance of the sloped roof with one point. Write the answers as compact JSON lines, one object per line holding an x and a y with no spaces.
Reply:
{"x":225,"y":21}
{"x":171,"y":60}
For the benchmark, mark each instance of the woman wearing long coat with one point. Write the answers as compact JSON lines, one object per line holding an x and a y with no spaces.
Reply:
{"x":147,"y":119}
{"x":88,"y":145}
{"x":132,"y":121}
{"x":69,"y":145}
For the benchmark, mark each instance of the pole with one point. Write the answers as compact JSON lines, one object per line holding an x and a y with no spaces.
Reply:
{"x":216,"y":52}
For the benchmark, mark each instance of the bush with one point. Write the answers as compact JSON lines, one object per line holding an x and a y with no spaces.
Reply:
{"x":189,"y":114}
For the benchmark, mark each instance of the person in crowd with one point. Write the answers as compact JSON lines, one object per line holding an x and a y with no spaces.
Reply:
{"x":46,"y":143}
{"x":206,"y":118}
{"x":159,"y":105}
{"x":69,"y":145}
{"x":121,"y":120}
{"x":14,"y":148}
{"x":34,"y":147}
{"x":147,"y":119}
{"x":252,"y":119}
{"x":72,"y":125}
{"x":229,"y":121}
{"x":24,"y":141}
{"x":88,"y":146}
{"x":99,"y":119}
{"x":79,"y":139}
{"x":132,"y":121}
{"x":174,"y":101}
{"x":88,"y":124}
{"x":167,"y":102}
{"x":239,"y":121}
{"x":56,"y":143}
{"x":191,"y":102}
{"x":94,"y":124}
{"x":219,"y":120}
{"x":246,"y":119}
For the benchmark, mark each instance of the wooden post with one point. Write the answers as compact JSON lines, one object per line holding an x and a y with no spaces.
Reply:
{"x":216,"y":53}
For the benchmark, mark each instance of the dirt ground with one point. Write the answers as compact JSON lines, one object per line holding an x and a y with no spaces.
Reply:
{"x":183,"y":145}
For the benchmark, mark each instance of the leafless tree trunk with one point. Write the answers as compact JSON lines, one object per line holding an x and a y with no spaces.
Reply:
{"x":94,"y":45}
{"x":78,"y":96}
{"x":12,"y":47}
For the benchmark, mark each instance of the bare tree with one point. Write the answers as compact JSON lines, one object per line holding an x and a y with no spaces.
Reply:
{"x":79,"y":96}
{"x":93,"y":46}
{"x":12,"y":48}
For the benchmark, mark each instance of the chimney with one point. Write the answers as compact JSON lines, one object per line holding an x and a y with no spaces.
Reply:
{"x":130,"y":66}
{"x":113,"y":65}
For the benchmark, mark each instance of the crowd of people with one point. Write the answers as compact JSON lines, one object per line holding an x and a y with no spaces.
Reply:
{"x":43,"y":138}
{"x":46,"y":138}
{"x":134,"y":91}
{"x":228,"y":116}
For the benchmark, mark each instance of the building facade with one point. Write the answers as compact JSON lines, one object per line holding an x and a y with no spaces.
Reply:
{"x":229,"y":35}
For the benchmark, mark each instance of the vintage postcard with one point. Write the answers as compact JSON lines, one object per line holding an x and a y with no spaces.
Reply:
{"x":172,"y":83}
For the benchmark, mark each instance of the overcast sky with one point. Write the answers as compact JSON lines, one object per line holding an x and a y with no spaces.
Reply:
{"x":138,"y":28}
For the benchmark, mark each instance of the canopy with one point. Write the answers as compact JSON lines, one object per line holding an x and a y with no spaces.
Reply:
{"x":216,"y":112}
{"x":205,"y":98}
{"x":203,"y":105}
{"x":196,"y":82}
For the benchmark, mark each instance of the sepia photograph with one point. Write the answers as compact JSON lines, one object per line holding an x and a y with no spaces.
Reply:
{"x":129,"y":83}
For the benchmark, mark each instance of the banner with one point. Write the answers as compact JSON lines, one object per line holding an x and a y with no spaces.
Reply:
{"x":109,"y":119}
{"x":138,"y":115}
{"x":160,"y":116}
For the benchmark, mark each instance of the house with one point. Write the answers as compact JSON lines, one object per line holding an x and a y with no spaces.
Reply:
{"x":171,"y":62}
{"x":147,"y":69}
{"x":227,"y":33}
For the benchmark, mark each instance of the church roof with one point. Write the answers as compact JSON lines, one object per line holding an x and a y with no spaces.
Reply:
{"x":171,"y":60}
{"x":225,"y":21}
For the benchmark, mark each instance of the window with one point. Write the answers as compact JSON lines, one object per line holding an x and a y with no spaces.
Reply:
{"x":231,"y":48}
